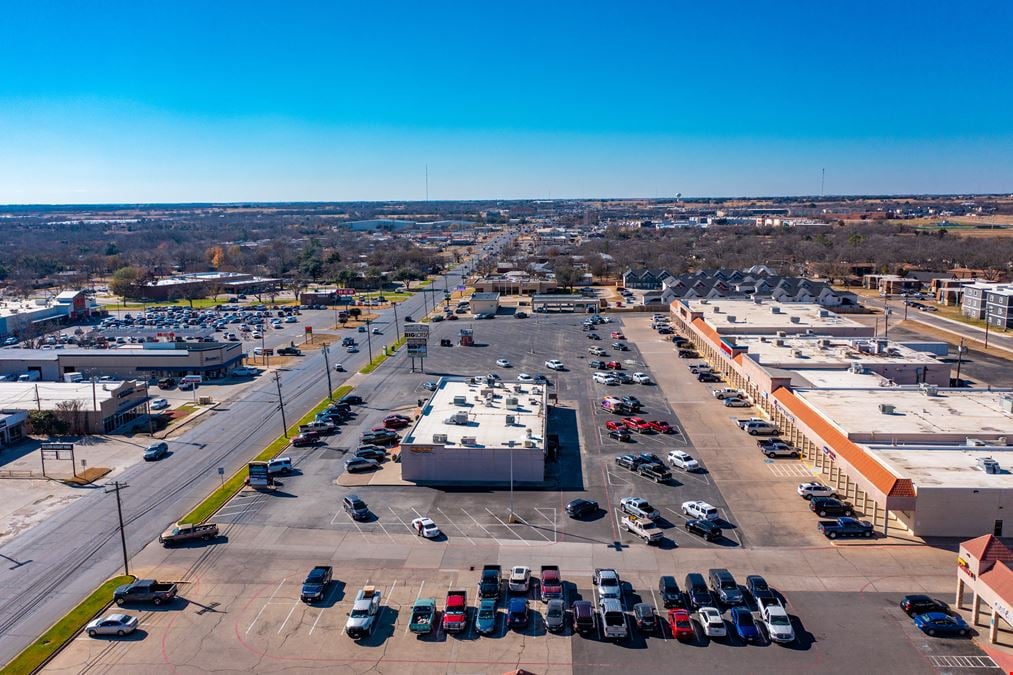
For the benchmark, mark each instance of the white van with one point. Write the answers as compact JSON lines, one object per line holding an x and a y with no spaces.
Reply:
{"x":30,"y":376}
{"x":613,"y":619}
{"x":73,"y":377}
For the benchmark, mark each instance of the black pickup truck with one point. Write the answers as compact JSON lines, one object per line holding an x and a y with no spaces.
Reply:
{"x":656,"y":472}
{"x":145,"y":590}
{"x":489,"y":583}
{"x":845,"y":527}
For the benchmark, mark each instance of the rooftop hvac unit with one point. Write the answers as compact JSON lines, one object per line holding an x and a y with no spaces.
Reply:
{"x":468,"y":440}
{"x":989,"y":465}
{"x":824,"y":313}
{"x":775,"y":309}
{"x":717,"y":310}
{"x":511,"y":403}
{"x":782,"y":333}
{"x":824,"y":343}
{"x":757,"y":300}
{"x":439,"y":438}
{"x":886,"y":408}
{"x":809,"y":331}
{"x":796,"y":353}
{"x":763,"y":339}
{"x":460,"y":400}
{"x":536,"y":391}
{"x":929,"y":389}
{"x":1007,"y":403}
{"x":779,"y":342}
{"x":510,"y":419}
{"x":857,"y":368}
{"x":975,"y":443}
{"x":795,"y":319}
{"x":529,"y":443}
{"x":731,"y":318}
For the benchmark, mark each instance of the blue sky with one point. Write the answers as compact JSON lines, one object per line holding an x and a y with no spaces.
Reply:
{"x":186,"y":101}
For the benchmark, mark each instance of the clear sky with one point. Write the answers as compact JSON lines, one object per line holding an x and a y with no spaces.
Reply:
{"x":220,"y":101}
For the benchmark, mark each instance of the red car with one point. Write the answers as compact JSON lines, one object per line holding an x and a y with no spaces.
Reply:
{"x":661,"y":427}
{"x":306,"y":438}
{"x":638,"y":424}
{"x":678,"y":621}
{"x":613,"y":425}
{"x":396,"y":422}
{"x":617,"y":335}
{"x":613,"y":365}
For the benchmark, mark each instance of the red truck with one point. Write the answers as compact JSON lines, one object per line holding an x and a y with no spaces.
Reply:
{"x":551,"y":584}
{"x":638,"y":424}
{"x":455,"y":616}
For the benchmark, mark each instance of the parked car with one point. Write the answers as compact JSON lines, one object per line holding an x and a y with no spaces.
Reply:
{"x":359,"y":464}
{"x":641,"y":508}
{"x":697,"y":593}
{"x":680,"y":625}
{"x":489,"y":583}
{"x":661,"y":427}
{"x":913,"y":605}
{"x":503,"y":363}
{"x":184,"y":532}
{"x":937,"y":623}
{"x":830,"y":507}
{"x":555,"y":615}
{"x":113,"y":624}
{"x":745,"y":627}
{"x":683,"y":460}
{"x":645,"y":618}
{"x":306,"y":438}
{"x":520,"y":579}
{"x":777,"y":622}
{"x":699,"y":509}
{"x":159,"y":404}
{"x":585,"y":620}
{"x":425,"y":527}
{"x":759,"y":590}
{"x":485,"y":617}
{"x":711,"y":621}
{"x":365,"y":612}
{"x":775,"y":447}
{"x":704,"y":528}
{"x":641,"y":378}
{"x":430,"y":386}
{"x":845,"y":527}
{"x":814,"y":489}
{"x":555,"y":364}
{"x":738,"y":403}
{"x":608,"y":583}
{"x":517,"y":613}
{"x":580,"y":508}
{"x":637,"y":424}
{"x":355,"y":507}
{"x":724,"y":587}
{"x":145,"y":590}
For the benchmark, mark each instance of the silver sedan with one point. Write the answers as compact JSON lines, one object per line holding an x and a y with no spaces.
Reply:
{"x":114,"y":624}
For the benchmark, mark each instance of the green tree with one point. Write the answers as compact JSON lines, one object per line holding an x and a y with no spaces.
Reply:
{"x":127,"y":281}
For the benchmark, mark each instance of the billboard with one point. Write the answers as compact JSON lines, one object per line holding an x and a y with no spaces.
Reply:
{"x":259,"y":477}
{"x":345,"y":291}
{"x":416,"y":330}
{"x":418,"y":350}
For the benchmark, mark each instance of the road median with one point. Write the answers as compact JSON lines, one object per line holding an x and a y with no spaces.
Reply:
{"x":37,"y":654}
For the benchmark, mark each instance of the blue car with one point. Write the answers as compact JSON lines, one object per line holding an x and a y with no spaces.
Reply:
{"x":485,"y":619}
{"x":517,"y":615}
{"x":745,"y":627}
{"x":938,"y":623}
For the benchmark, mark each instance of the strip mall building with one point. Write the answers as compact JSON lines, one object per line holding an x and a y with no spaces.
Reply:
{"x":875,"y":418}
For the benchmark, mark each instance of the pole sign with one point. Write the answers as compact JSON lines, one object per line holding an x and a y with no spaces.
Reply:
{"x":309,"y":330}
{"x":345,"y":291}
{"x":417,"y":339}
{"x":57,"y":446}
{"x":259,"y":477}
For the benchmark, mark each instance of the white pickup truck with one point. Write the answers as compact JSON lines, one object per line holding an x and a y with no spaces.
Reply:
{"x":644,"y":528}
{"x":363,"y":617}
{"x":777,"y":622}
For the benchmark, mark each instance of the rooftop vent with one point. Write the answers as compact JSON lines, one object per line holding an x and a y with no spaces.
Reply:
{"x":824,"y":313}
{"x":460,"y":400}
{"x":886,"y":408}
{"x":439,"y":438}
{"x":795,"y":319}
{"x":1007,"y":403}
{"x":510,"y":419}
{"x":730,"y":318}
{"x":774,"y":309}
{"x":929,"y":389}
{"x":857,"y":368}
{"x":468,"y":440}
{"x":989,"y":465}
{"x":779,"y":342}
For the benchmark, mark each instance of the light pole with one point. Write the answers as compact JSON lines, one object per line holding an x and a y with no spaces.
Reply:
{"x":960,"y":358}
{"x":511,"y":519}
{"x":327,"y":366}
{"x":397,"y":333}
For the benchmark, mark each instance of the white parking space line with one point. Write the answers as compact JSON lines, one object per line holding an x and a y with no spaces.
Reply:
{"x":268,"y":602}
{"x":288,"y":616}
{"x":386,"y":532}
{"x":406,"y":526}
{"x":509,"y":529}
{"x":314,"y":626}
{"x":481,"y":526}
{"x":455,"y":526}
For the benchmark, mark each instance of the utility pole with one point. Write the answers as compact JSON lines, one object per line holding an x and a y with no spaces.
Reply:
{"x":369,"y":341}
{"x":117,"y":486}
{"x":397,"y":333}
{"x":327,"y":364}
{"x":281,"y":403}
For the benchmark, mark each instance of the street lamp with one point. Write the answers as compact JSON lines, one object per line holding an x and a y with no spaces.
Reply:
{"x":327,"y":366}
{"x":369,"y":341}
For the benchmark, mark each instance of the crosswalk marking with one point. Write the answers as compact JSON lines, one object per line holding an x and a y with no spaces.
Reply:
{"x":963,"y":662}
{"x":789,"y":470}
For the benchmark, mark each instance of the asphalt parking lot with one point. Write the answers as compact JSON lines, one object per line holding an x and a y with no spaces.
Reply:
{"x":241,"y":610}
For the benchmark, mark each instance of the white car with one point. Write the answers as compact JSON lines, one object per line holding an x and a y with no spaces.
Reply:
{"x":713,"y":624}
{"x":699,"y":509}
{"x":726,"y":392}
{"x":605,"y":378}
{"x":291,"y":319}
{"x":159,"y":404}
{"x":596,"y":351}
{"x":520,"y":579}
{"x":683,"y":460}
{"x":114,"y":624}
{"x":809,"y":490}
{"x":257,"y":335}
{"x":425,"y":527}
{"x":732,"y":402}
{"x":524,"y":377}
{"x":339,"y":367}
{"x":641,"y":378}
{"x":555,"y":364}
{"x":502,"y":363}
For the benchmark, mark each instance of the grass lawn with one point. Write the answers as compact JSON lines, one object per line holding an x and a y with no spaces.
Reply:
{"x":35,"y":654}
{"x":236,"y":481}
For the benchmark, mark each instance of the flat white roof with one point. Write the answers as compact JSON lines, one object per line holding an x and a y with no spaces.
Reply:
{"x":950,"y":414}
{"x":728,"y":316}
{"x":828,"y":378}
{"x":22,"y":394}
{"x":812,"y":352}
{"x":483,"y":411}
{"x":943,"y":467}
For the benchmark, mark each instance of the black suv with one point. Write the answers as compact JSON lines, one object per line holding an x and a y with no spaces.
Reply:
{"x":383,"y":437}
{"x":579,"y":508}
{"x":697,"y":592}
{"x":829,"y":507}
{"x":913,"y":605}
{"x":351,"y":399}
{"x":628,"y":462}
{"x":671,"y":596}
{"x":597,"y":365}
{"x":633,"y":402}
{"x":758,"y":588}
{"x":355,"y":507}
{"x":704,"y":528}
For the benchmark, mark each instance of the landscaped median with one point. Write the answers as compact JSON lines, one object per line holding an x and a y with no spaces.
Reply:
{"x":235,"y":483}
{"x":389,"y":351}
{"x":36,"y":654}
